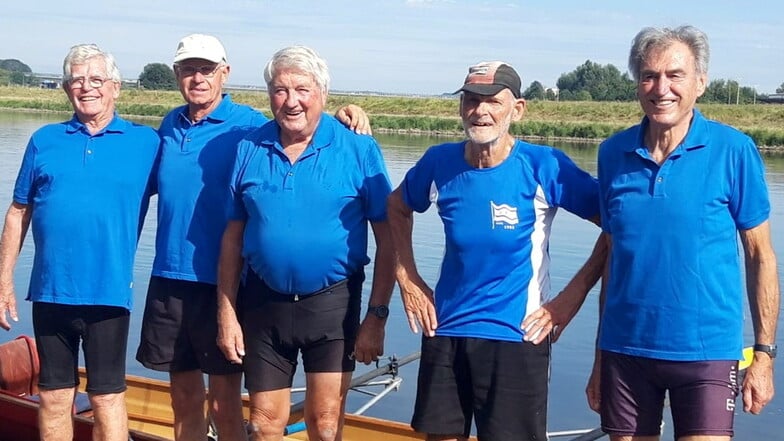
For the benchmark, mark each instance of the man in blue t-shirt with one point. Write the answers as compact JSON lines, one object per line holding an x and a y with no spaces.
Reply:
{"x":675,"y":193}
{"x":304,"y":191}
{"x":497,"y":197}
{"x":83,"y":187}
{"x":179,"y":329}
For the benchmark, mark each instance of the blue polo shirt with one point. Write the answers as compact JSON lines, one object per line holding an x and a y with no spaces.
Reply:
{"x":675,"y":289}
{"x":88,"y":195}
{"x":193,"y":178}
{"x":497,"y":227}
{"x":307,"y":222}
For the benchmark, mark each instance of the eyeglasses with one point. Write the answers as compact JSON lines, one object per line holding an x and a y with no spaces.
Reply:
{"x":94,"y":82}
{"x":207,"y":71}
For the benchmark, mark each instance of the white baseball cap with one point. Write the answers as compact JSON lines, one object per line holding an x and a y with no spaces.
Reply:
{"x":201,"y":46}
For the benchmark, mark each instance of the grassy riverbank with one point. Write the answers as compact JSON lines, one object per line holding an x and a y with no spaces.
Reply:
{"x":545,"y":119}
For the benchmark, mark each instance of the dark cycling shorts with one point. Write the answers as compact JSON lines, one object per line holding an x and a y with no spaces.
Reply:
{"x":179,"y":328}
{"x":502,"y":385}
{"x":702,"y":395}
{"x":103,"y":331}
{"x":323,"y":325}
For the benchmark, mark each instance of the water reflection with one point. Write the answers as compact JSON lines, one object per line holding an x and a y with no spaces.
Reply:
{"x":570,"y":244}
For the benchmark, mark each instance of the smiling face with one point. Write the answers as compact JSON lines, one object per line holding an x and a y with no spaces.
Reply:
{"x":486,"y":118}
{"x":201,"y":84}
{"x":669,"y":86}
{"x":297,"y":102}
{"x":92,"y":105}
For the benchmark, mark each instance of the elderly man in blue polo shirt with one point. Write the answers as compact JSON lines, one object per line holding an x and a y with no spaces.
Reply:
{"x":83,"y":186}
{"x":675,"y":193}
{"x":179,"y":329}
{"x":304,"y":189}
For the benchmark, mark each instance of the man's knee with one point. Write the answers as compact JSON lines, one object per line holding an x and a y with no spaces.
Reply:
{"x":325,"y":422}
{"x":106,"y":401}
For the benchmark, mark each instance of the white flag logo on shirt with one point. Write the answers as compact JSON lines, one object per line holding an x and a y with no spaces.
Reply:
{"x":504,"y":215}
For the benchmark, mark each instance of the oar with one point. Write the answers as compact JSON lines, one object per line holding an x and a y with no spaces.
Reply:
{"x":390,"y":368}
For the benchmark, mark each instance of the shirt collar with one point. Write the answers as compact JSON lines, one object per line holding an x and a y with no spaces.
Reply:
{"x":218,"y":114}
{"x":322,"y":138}
{"x":696,"y":137}
{"x":116,"y":125}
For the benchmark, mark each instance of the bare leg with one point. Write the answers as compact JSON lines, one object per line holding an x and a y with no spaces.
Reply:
{"x":634,"y":438}
{"x":325,"y":402}
{"x":111,"y":417}
{"x":269,"y":413}
{"x":704,"y":438}
{"x":187,"y":396}
{"x":55,"y":415}
{"x":226,"y":406}
{"x":431,"y":437}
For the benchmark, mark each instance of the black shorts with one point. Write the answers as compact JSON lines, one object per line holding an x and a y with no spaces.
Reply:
{"x":103,"y":331}
{"x":702,"y":395}
{"x":323,"y":325}
{"x":501,"y":385}
{"x":180,"y":327}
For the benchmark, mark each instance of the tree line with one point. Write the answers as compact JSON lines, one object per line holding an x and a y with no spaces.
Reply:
{"x":588,"y":82}
{"x":595,"y":82}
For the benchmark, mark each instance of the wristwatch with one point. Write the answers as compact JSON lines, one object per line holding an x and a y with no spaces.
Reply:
{"x":771,"y":350}
{"x":380,"y":311}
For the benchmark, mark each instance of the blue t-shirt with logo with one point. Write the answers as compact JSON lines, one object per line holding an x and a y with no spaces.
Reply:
{"x":497,"y":225}
{"x":88,"y":194}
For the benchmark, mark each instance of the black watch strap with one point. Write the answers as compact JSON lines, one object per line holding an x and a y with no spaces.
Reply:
{"x":380,"y":311}
{"x":771,"y":350}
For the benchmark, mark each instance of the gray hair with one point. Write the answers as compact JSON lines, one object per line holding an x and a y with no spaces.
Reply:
{"x":650,"y":39}
{"x":82,"y":54}
{"x":300,"y":58}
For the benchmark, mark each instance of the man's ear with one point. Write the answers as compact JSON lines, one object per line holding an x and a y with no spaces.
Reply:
{"x":520,"y":107}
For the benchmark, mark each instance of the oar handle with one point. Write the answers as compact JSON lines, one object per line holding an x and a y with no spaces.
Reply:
{"x":294,"y":428}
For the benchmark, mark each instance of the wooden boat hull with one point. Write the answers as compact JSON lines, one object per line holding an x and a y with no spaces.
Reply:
{"x":150,"y":418}
{"x":148,"y":403}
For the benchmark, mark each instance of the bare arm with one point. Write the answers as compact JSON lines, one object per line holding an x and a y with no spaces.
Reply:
{"x":230,"y":338}
{"x":417,"y":296}
{"x":370,"y":340}
{"x":17,"y":222}
{"x":353,"y":117}
{"x":592,"y":390}
{"x":762,"y":287}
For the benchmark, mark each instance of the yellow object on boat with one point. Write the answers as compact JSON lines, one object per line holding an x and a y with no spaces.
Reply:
{"x":748,"y":357}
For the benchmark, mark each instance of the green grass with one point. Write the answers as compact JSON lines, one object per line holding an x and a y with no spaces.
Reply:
{"x":545,"y":119}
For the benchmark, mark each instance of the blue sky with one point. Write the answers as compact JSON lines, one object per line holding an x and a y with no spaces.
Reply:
{"x":398,"y":46}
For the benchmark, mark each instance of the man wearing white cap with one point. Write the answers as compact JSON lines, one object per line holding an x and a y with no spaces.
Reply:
{"x":497,"y":197}
{"x":198,"y":142}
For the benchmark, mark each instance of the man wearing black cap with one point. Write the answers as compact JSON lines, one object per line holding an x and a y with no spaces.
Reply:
{"x":497,"y":197}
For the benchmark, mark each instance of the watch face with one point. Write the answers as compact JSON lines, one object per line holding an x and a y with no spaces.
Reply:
{"x":380,"y":311}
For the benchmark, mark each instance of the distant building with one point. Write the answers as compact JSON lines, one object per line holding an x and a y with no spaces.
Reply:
{"x":775,"y":98}
{"x":50,"y":84}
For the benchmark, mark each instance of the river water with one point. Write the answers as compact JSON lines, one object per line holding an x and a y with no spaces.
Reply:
{"x":571,"y":242}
